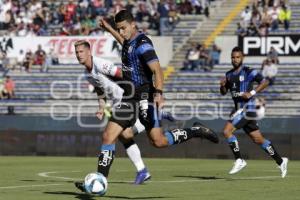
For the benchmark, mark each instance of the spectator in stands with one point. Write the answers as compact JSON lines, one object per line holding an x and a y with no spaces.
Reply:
{"x":246,"y":17}
{"x":1,"y":88}
{"x":285,"y":17}
{"x":163,"y":11}
{"x":192,"y":58}
{"x":9,"y":87}
{"x":241,"y":31}
{"x":274,"y":13}
{"x":204,"y":58}
{"x":215,"y":54}
{"x":265,"y":17}
{"x":40,"y":57}
{"x":263,"y":30}
{"x":185,"y":7}
{"x":256,"y":17}
{"x":273,"y":55}
{"x":20,"y":59}
{"x":5,"y":62}
{"x":252,"y":30}
{"x":28,"y":61}
{"x":269,"y":70}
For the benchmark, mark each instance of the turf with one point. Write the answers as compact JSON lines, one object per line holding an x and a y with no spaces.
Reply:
{"x":26,"y":178}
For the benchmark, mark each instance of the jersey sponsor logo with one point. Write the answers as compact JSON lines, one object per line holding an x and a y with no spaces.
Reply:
{"x":130,"y":49}
{"x":242,"y":78}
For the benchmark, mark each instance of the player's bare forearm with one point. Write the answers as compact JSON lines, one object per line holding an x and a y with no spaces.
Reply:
{"x":101,"y":102}
{"x":262,"y":85}
{"x":116,"y":35}
{"x":111,"y":30}
{"x":223,"y":90}
{"x":158,"y":74}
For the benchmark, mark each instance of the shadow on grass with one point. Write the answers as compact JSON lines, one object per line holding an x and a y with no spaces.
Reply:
{"x":83,"y":196}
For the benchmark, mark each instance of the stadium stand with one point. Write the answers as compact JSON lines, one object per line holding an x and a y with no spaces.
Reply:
{"x":34,"y":96}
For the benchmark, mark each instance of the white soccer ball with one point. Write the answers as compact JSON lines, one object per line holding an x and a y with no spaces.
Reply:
{"x":95,"y":183}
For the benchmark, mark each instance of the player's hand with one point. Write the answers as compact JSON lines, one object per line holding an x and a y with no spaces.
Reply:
{"x":103,"y":24}
{"x":100,"y":114}
{"x":223,"y":81}
{"x":246,"y":95}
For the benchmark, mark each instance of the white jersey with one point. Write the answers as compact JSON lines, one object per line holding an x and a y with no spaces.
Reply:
{"x":98,"y":77}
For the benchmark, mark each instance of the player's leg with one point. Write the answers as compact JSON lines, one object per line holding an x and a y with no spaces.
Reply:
{"x":268,"y":147}
{"x":158,"y":138}
{"x":232,"y":141}
{"x":107,"y":150}
{"x":134,"y":155}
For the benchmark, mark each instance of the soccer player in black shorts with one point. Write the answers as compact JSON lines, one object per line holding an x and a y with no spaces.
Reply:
{"x":143,"y":98}
{"x":239,"y":81}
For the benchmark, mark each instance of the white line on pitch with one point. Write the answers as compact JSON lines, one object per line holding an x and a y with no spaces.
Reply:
{"x":48,"y":175}
{"x":26,"y":186}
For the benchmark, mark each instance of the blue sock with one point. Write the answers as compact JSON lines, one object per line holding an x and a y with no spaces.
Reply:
{"x":169,"y":137}
{"x":108,"y":147}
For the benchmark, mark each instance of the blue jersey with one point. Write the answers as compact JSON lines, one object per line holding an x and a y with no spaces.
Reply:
{"x":240,"y":82}
{"x":136,"y":55}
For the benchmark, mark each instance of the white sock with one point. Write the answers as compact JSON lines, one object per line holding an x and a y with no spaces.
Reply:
{"x":134,"y":155}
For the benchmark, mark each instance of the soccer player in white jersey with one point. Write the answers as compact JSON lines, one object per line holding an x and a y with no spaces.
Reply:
{"x":99,"y":73}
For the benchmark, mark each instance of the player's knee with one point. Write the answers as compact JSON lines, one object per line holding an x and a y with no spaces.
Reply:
{"x":159,"y":142}
{"x":106,"y":138}
{"x":227,"y":133}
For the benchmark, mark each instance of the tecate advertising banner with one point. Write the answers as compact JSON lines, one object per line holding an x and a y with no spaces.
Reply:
{"x":285,"y":45}
{"x":102,"y":46}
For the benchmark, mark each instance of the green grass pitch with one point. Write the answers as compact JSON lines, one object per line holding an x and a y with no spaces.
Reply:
{"x":51,"y":178}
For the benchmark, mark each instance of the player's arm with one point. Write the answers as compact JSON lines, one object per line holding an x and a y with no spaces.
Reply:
{"x":103,"y":24}
{"x":108,"y":68}
{"x":147,"y":53}
{"x":263,"y":83}
{"x":101,"y":103}
{"x":223,"y":88}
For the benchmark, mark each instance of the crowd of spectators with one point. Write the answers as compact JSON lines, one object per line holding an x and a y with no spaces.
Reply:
{"x":199,"y":57}
{"x":263,"y":17}
{"x":79,"y":17}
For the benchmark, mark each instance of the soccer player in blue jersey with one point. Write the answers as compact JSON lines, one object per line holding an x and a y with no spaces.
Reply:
{"x":239,"y":81}
{"x":143,"y":97}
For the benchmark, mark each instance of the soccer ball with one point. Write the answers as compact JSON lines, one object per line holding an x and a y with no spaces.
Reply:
{"x":95,"y":183}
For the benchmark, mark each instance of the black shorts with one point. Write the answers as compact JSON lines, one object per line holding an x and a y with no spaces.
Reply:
{"x":239,"y":120}
{"x":126,"y":114}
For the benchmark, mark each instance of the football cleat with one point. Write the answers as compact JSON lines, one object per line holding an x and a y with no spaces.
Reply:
{"x":204,"y":132}
{"x":142,"y":176}
{"x":283,"y":167}
{"x":80,"y":186}
{"x":238,"y":165}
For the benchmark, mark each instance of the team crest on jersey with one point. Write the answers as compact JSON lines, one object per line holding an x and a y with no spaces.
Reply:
{"x":242,"y":78}
{"x":130,"y":49}
{"x":234,"y":86}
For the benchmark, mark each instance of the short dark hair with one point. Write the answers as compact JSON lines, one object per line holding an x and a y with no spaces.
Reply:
{"x":82,"y":42}
{"x":237,"y":49}
{"x":124,"y":15}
